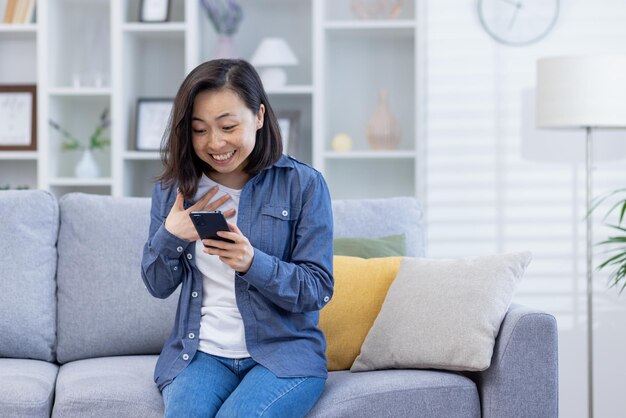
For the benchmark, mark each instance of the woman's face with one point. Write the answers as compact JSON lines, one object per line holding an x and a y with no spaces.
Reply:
{"x":223,"y":133}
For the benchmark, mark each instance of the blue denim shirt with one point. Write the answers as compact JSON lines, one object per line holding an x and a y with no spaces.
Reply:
{"x":285,"y":212}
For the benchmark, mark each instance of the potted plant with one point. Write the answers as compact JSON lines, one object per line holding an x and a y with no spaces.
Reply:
{"x":225,"y":15}
{"x":615,"y":244}
{"x":86,"y":167}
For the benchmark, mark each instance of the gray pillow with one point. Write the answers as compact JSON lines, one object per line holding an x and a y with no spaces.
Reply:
{"x":29,"y":222}
{"x":104,"y":307}
{"x":443,"y":313}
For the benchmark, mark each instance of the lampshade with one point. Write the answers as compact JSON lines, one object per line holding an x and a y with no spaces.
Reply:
{"x":581,"y":91}
{"x":273,"y":52}
{"x":563,"y":145}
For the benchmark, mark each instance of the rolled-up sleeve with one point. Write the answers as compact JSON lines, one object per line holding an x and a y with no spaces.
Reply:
{"x":305,"y":282}
{"x":162,"y":269}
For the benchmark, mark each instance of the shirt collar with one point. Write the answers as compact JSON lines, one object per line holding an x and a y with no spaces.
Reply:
{"x":284,"y":161}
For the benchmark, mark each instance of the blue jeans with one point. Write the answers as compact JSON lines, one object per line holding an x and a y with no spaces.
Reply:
{"x":212,"y":386}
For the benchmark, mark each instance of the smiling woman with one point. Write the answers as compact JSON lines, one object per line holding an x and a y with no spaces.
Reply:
{"x":224,"y":135}
{"x":249,"y":306}
{"x":205,"y":87}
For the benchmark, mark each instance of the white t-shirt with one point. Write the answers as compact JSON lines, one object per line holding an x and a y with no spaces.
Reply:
{"x":221,"y":327}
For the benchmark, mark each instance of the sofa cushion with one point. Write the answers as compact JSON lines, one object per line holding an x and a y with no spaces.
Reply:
{"x":123,"y":387}
{"x":28,"y":227}
{"x":443,"y":313}
{"x":108,"y":387}
{"x":398,"y":394}
{"x":387,"y":246}
{"x":360,"y":289}
{"x":104,"y":307}
{"x":373,"y":218}
{"x":26,"y":387}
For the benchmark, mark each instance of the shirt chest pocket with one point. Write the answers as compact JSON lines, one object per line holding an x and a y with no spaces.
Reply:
{"x":278,"y":223}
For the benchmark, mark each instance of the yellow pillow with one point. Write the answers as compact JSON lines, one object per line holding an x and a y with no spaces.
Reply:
{"x":360,"y":289}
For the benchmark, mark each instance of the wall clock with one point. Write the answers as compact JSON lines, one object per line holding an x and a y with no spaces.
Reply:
{"x":518,"y":22}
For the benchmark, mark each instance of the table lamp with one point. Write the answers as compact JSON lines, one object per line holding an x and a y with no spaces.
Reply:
{"x":583,"y":92}
{"x":271,"y":55}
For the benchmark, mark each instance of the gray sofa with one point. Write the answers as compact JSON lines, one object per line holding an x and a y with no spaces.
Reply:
{"x":79,"y":333}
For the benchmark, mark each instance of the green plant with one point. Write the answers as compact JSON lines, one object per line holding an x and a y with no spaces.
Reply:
{"x":96,"y":140}
{"x":617,"y":243}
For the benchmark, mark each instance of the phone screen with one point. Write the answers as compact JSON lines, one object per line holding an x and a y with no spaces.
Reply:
{"x":207,"y":224}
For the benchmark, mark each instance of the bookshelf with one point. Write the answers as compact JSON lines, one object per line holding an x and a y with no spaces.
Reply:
{"x":117,"y":60}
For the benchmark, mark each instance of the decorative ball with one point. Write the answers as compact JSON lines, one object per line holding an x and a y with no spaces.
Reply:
{"x":342,"y":142}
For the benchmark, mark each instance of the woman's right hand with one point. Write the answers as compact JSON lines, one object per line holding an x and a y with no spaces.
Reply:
{"x":178,"y":221}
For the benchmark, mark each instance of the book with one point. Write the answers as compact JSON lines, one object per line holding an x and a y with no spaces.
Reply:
{"x":19,"y":11}
{"x":23,"y":11}
{"x":30,"y":11}
{"x":9,"y":11}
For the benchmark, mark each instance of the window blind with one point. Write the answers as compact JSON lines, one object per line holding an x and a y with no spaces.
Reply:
{"x":483,"y":195}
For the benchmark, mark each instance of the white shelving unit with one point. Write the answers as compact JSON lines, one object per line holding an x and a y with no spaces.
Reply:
{"x":357,"y":59}
{"x":151,"y":61}
{"x":378,"y":154}
{"x":87,"y":57}
{"x":74,"y":89}
{"x":18,"y":155}
{"x":18,"y":169}
{"x":80,"y":91}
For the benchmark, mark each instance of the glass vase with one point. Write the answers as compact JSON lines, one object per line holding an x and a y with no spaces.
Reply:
{"x":383,"y":131}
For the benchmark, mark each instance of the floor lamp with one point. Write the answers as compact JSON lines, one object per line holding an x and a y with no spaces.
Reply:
{"x":583,"y":92}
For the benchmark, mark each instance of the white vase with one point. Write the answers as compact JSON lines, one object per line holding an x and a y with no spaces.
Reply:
{"x":87,"y":167}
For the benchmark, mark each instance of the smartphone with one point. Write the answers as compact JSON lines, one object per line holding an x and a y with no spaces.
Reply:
{"x":208,"y":222}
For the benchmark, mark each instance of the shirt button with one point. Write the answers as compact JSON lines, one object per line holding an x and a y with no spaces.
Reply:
{"x":192,"y":335}
{"x":185,"y":357}
{"x":285,"y":213}
{"x":175,"y":268}
{"x":194,"y":294}
{"x":179,"y":249}
{"x":326,"y":298}
{"x":189,"y":256}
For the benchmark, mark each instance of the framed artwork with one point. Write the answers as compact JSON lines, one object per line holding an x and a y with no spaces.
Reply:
{"x":289,"y":124}
{"x":152,"y":118}
{"x":18,"y":116}
{"x":154,"y":11}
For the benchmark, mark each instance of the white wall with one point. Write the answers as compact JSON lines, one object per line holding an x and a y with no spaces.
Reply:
{"x":486,"y":191}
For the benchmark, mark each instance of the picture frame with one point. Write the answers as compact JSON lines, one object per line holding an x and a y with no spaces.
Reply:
{"x":152,"y":119}
{"x":18,"y":117}
{"x":154,"y":11}
{"x":289,"y":124}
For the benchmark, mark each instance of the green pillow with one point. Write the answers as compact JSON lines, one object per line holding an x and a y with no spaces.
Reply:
{"x":388,"y":246}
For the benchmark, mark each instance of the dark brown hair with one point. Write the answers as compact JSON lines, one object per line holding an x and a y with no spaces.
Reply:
{"x":181,"y":165}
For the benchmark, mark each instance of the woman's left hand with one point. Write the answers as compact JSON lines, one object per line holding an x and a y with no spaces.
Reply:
{"x":238,"y":255}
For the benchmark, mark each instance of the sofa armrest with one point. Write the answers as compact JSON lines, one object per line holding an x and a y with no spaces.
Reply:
{"x":522,"y":380}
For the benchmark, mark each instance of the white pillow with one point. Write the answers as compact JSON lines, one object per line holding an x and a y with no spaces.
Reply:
{"x":442,"y":313}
